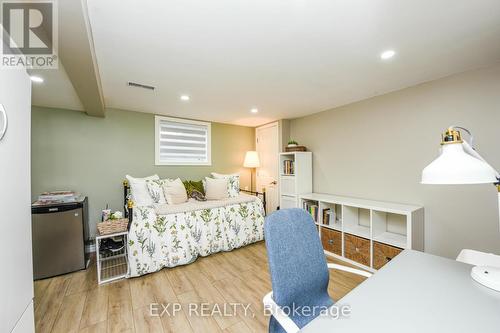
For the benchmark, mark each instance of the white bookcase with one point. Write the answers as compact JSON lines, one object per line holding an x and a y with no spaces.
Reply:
{"x":365,"y":233}
{"x":297,"y":181}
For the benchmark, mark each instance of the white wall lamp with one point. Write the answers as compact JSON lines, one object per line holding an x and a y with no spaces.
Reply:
{"x":459,"y":163}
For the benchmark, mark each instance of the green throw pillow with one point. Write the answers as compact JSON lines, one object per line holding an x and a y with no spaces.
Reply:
{"x":187,"y":186}
{"x":198,"y":185}
{"x":191,"y":185}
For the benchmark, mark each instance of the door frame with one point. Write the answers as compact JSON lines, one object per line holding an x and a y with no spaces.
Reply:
{"x":278,"y":185}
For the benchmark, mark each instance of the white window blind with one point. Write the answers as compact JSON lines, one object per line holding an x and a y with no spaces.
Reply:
{"x":182,"y":142}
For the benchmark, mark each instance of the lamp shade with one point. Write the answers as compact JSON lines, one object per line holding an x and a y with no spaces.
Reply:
{"x":455,"y":166}
{"x":251,"y":160}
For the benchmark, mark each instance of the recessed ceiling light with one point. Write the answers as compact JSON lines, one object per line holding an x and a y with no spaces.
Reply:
{"x":387,"y":54}
{"x":36,"y":79}
{"x":254,"y":110}
{"x":185,"y":98}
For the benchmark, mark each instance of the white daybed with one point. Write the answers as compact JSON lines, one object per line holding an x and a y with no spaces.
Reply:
{"x":164,"y":235}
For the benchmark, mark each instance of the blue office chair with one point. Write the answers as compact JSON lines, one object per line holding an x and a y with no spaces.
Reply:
{"x":299,"y":271}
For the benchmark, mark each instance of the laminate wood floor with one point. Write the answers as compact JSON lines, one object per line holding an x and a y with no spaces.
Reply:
{"x":76,"y":303}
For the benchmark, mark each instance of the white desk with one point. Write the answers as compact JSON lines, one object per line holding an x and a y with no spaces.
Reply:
{"x":417,"y":292}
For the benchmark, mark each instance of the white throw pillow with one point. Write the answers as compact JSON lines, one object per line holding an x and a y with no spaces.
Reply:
{"x":233,"y":183}
{"x":175,"y":192}
{"x":216,"y":189}
{"x":139,"y":190}
{"x":155,"y":189}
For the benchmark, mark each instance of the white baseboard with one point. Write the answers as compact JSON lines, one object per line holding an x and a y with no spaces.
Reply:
{"x":89,"y":248}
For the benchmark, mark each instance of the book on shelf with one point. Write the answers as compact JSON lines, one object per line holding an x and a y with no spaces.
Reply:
{"x":326,"y":216}
{"x":312,"y":209}
{"x":288,"y":167}
{"x":329,"y":217}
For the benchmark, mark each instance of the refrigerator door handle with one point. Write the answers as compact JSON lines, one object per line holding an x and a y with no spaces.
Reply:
{"x":3,"y":121}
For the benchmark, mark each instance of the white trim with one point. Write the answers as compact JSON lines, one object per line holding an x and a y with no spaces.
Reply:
{"x":257,"y":170}
{"x":90,"y":248}
{"x":158,"y":119}
{"x":274,"y":123}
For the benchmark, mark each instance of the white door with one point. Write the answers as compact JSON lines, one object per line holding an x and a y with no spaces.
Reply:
{"x":267,"y":143}
{"x":16,"y":279}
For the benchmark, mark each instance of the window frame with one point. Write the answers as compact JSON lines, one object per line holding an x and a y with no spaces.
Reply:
{"x":158,"y":120}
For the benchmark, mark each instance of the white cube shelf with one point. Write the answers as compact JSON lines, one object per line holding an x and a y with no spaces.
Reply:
{"x":295,"y":177}
{"x":390,"y":228}
{"x":384,"y":226}
{"x":356,"y":221}
{"x":334,"y":215}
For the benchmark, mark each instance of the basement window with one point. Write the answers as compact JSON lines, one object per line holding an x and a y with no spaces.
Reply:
{"x":182,"y":142}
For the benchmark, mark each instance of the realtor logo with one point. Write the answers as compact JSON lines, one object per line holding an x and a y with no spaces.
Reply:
{"x":29,"y":34}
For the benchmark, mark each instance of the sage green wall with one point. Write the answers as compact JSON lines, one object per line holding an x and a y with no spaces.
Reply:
{"x":377,"y":149}
{"x":71,"y":150}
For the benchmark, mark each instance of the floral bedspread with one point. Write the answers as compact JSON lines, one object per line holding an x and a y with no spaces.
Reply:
{"x":158,"y":241}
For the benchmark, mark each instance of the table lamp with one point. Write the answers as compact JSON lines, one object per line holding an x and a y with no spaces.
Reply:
{"x":251,"y":161}
{"x":459,"y":163}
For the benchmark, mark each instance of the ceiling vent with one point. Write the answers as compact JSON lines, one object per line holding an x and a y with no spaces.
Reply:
{"x":138,"y":85}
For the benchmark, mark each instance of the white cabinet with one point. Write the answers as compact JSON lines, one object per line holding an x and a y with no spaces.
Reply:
{"x":288,"y":185}
{"x":295,"y":177}
{"x":288,"y":202}
{"x":367,"y":233}
{"x":16,"y":281}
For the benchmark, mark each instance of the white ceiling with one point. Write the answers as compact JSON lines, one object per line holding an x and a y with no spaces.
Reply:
{"x":56,"y":91}
{"x":288,"y":58}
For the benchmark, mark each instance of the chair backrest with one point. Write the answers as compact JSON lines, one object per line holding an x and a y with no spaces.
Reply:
{"x":299,"y":272}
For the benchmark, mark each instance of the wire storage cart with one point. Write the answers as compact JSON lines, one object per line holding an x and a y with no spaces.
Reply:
{"x":111,"y":257}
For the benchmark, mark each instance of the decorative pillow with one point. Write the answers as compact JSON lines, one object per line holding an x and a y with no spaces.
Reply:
{"x":192,"y":185}
{"x":233,"y":183}
{"x":155,"y":189}
{"x":175,"y":192}
{"x":139,"y":190}
{"x":216,"y":189}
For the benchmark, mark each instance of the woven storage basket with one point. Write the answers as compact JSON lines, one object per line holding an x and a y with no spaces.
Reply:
{"x":112,"y":226}
{"x":296,"y":148}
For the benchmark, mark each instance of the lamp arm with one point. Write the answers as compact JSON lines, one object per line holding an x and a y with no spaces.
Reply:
{"x":469,"y":150}
{"x":498,"y":187}
{"x":471,"y":137}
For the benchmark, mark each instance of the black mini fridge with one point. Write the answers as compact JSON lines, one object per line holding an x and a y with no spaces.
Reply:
{"x":59,"y":232}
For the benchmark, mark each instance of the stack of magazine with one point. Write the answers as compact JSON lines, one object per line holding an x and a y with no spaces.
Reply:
{"x":56,"y":197}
